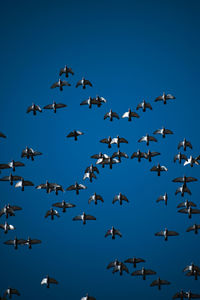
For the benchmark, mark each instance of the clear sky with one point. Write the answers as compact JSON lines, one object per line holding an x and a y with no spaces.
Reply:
{"x":129,"y":50}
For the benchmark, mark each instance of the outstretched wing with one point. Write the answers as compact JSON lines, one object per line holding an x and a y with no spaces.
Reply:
{"x":55,"y":85}
{"x":49,"y":106}
{"x":77,"y":218}
{"x":172,"y":233}
{"x":89,"y":217}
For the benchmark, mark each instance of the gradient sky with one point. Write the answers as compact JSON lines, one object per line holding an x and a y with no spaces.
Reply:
{"x":129,"y":50}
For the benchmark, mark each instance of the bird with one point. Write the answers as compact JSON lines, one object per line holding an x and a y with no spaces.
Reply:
{"x":166,"y":233}
{"x":84,"y":218}
{"x":11,"y":178}
{"x":163,"y":198}
{"x":66,"y":71}
{"x":107,"y":141}
{"x":10,"y":291}
{"x":83,"y":82}
{"x":100,"y":100}
{"x":56,"y":188}
{"x":95,"y":198}
{"x":47,"y":186}
{"x":34,"y":108}
{"x":60,"y":84}
{"x":159,"y":282}
{"x":31,"y":242}
{"x":76,"y":187}
{"x":107,"y":161}
{"x":184,"y":179}
{"x":9,"y":210}
{"x":92,"y":168}
{"x":113,"y":232}
{"x":64,"y":205}
{"x":12,"y":165}
{"x":87,"y":297}
{"x":30,"y":153}
{"x":111,"y":115}
{"x":143,"y":272}
{"x":134,"y":261}
{"x":190,"y":211}
{"x":180,"y":295}
{"x":180,"y":157}
{"x":163,"y":131}
{"x":55,"y":106}
{"x":120,"y":267}
{"x":186,"y":204}
{"x":2,"y":135}
{"x":147,"y":138}
{"x":48,"y":280}
{"x":184,"y":144}
{"x":191,"y":267}
{"x":75,"y":134}
{"x":144,"y":105}
{"x":148,"y":155}
{"x":130,"y":114}
{"x":192,"y":161}
{"x":138,"y":155}
{"x":90,"y":101}
{"x":159,"y":169}
{"x":194,"y":228}
{"x":89,"y":175}
{"x":120,"y":198}
{"x":22,"y":183}
{"x":52,"y":212}
{"x":189,"y":295}
{"x":113,"y":264}
{"x":118,"y":140}
{"x":164,"y":98}
{"x":6,"y":227}
{"x":183,"y":189}
{"x":119,"y":154}
{"x":15,"y":242}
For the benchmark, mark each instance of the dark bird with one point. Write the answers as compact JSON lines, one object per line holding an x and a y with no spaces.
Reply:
{"x":134,"y":261}
{"x":76,"y":187}
{"x":118,"y":140}
{"x":138,"y":155}
{"x":184,"y":144}
{"x":189,"y":295}
{"x":83,"y":82}
{"x":48,"y":280}
{"x":120,"y":198}
{"x":6,"y":227}
{"x":190,"y":211}
{"x":144,"y":105}
{"x":159,"y":169}
{"x":55,"y":106}
{"x":15,"y":242}
{"x":143,"y":272}
{"x":89,"y":175}
{"x":107,"y":161}
{"x":12,"y":165}
{"x":111,"y":115}
{"x":183,"y":189}
{"x":163,"y":198}
{"x":150,"y":154}
{"x":60,"y":84}
{"x":87,"y":297}
{"x":113,"y":232}
{"x":11,"y":178}
{"x":47,"y":186}
{"x":56,"y":188}
{"x":95,"y":198}
{"x":119,"y":154}
{"x":164,"y":98}
{"x":10,"y":291}
{"x":92,"y":169}
{"x":166,"y":233}
{"x":194,"y":228}
{"x":22,"y":183}
{"x":184,"y":179}
{"x":192,"y":161}
{"x":120,"y":267}
{"x":186,"y":204}
{"x":83,"y":218}
{"x":113,"y":264}
{"x":91,"y":101}
{"x":9,"y":210}
{"x":159,"y":282}
{"x":180,"y":295}
{"x":34,"y":108}
{"x":147,"y":138}
{"x":100,"y":100}
{"x":130,"y":114}
{"x":30,"y":153}
{"x":106,"y":141}
{"x":2,"y":135}
{"x":52,"y":212}
{"x":75,"y":134}
{"x":31,"y":242}
{"x":191,"y":267}
{"x":64,"y":205}
{"x":180,"y":157}
{"x":66,"y":71}
{"x":163,"y":131}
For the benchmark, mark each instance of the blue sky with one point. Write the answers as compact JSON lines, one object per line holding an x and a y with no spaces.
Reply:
{"x":129,"y":51}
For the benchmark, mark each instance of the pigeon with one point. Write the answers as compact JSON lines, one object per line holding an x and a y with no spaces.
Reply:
{"x":2,"y":135}
{"x":130,"y":114}
{"x":91,"y":101}
{"x":159,"y":282}
{"x":47,"y":186}
{"x":92,"y":168}
{"x":194,"y":228}
{"x":180,"y":157}
{"x":10,"y":291}
{"x":76,"y":187}
{"x":164,"y":98}
{"x":83,"y":218}
{"x":163,"y":131}
{"x":191,"y":267}
{"x":120,"y":198}
{"x":113,"y":264}
{"x":118,"y":140}
{"x":113,"y":232}
{"x":52,"y":212}
{"x":189,"y":295}
{"x":60,"y":84}
{"x":15,"y":242}
{"x":166,"y":233}
{"x":11,"y":178}
{"x":186,"y":204}
{"x":192,"y":161}
{"x":159,"y":169}
{"x":184,"y":144}
{"x":87,"y":297}
{"x":190,"y":211}
{"x":75,"y":134}
{"x":48,"y":280}
{"x":31,"y":242}
{"x":30,"y":153}
{"x":143,"y":272}
{"x":64,"y":205}
{"x":184,"y":179}
{"x":180,"y":295}
{"x":34,"y":108}
{"x":12,"y":165}
{"x":134,"y":261}
{"x":183,"y":189}
{"x":83,"y":82}
{"x":119,"y":154}
{"x":163,"y":198}
{"x":138,"y":155}
{"x":147,"y":138}
{"x":55,"y":188}
{"x":89,"y":175}
{"x":9,"y":210}
{"x":95,"y":198}
{"x":22,"y":183}
{"x":6,"y":227}
{"x":107,"y":141}
{"x":55,"y":106}
{"x":150,"y":154}
{"x":107,"y":161}
{"x":100,"y":100}
{"x":144,"y":105}
{"x":66,"y":71}
{"x":120,"y":267}
{"x":111,"y":115}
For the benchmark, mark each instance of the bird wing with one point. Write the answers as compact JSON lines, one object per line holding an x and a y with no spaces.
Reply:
{"x":157,"y":131}
{"x":79,"y":83}
{"x":152,"y":138}
{"x":134,"y":114}
{"x":18,"y":184}
{"x":143,"y":139}
{"x":154,"y":168}
{"x":170,"y":96}
{"x":168,"y":131}
{"x":77,"y":218}
{"x":19,"y":164}
{"x":139,"y":106}
{"x":172,"y":233}
{"x":137,"y":273}
{"x":159,"y":98}
{"x":48,"y":213}
{"x":189,"y":144}
{"x":163,"y":168}
{"x":5,"y":178}
{"x":89,"y":217}
{"x":190,"y":228}
{"x":28,"y":183}
{"x":160,"y":199}
{"x":61,"y":72}
{"x":195,"y":211}
{"x":16,"y":292}
{"x":115,"y":199}
{"x":71,"y":188}
{"x":111,"y":265}
{"x":88,"y":82}
{"x":150,"y":272}
{"x":54,"y":85}
{"x":118,"y":232}
{"x":165,"y":282}
{"x":34,"y":242}
{"x":49,"y":106}
{"x":123,"y":140}
{"x":180,"y":145}
{"x":44,"y":281}
{"x":65,"y":83}
{"x":82,"y":187}
{"x":148,"y":105}
{"x":115,"y":115}
{"x":108,"y":233}
{"x":161,"y":233}
{"x":86,"y":175}
{"x":105,"y":141}
{"x":125,"y":115}
{"x":106,"y":116}
{"x":4,"y":166}
{"x":85,"y":102}
{"x":71,"y":134}
{"x":14,"y":207}
{"x":154,"y":283}
{"x":79,"y":133}
{"x":183,"y":210}
{"x":178,"y":179}
{"x":9,"y":242}
{"x":52,"y":280}
{"x":191,"y":179}
{"x":29,"y":109}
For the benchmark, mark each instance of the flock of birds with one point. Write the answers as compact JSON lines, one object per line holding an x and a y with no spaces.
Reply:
{"x":185,"y":207}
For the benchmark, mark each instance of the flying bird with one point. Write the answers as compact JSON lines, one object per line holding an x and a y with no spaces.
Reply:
{"x":113,"y":264}
{"x":190,"y":211}
{"x":180,"y":295}
{"x":184,"y":144}
{"x":118,"y":140}
{"x":75,"y":134}
{"x":95,"y":198}
{"x":12,"y":165}
{"x":55,"y":106}
{"x":113,"y":232}
{"x":10,"y":291}
{"x":120,"y":198}
{"x":192,"y":161}
{"x":90,"y":101}
{"x":56,"y":188}
{"x":159,"y":169}
{"x":164,"y":98}
{"x":30,"y":153}
{"x":107,"y":161}
{"x":134,"y":261}
{"x":119,"y":154}
{"x":48,"y":280}
{"x":147,"y":138}
{"x":9,"y":210}
{"x":184,"y":179}
{"x":66,"y":71}
{"x":138,"y":155}
{"x":191,"y":267}
{"x":11,"y":178}
{"x":100,"y":100}
{"x":83,"y":218}
{"x":106,"y":141}
{"x":143,"y":272}
{"x":189,"y":295}
{"x":163,"y":198}
{"x":144,"y":105}
{"x":163,"y":131}
{"x":186,"y":204}
{"x":92,"y":169}
{"x":183,"y":189}
{"x":194,"y":228}
{"x":194,"y":273}
{"x":22,"y":183}
{"x":34,"y":108}
{"x":120,"y":267}
{"x":60,"y":84}
{"x":76,"y":187}
{"x":64,"y":205}
{"x":52,"y":212}
{"x":15,"y":242}
{"x":87,"y":297}
{"x":148,"y":155}
{"x":2,"y":135}
{"x":166,"y":233}
{"x":111,"y":115}
{"x":130,"y":114}
{"x":180,"y":157}
{"x":159,"y":282}
{"x":31,"y":242}
{"x":89,"y":175}
{"x":6,"y":227}
{"x":83,"y":82}
{"x":47,"y":186}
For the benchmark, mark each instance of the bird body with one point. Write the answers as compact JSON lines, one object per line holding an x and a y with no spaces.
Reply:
{"x":83,"y":218}
{"x":166,"y":233}
{"x":163,"y":131}
{"x":66,"y":71}
{"x":76,"y":187}
{"x":111,"y":115}
{"x":60,"y":83}
{"x":130,"y":114}
{"x":54,"y":106}
{"x":113,"y":232}
{"x":34,"y":108}
{"x":164,"y":97}
{"x":159,"y":169}
{"x":75,"y":134}
{"x":147,"y":138}
{"x":144,"y":105}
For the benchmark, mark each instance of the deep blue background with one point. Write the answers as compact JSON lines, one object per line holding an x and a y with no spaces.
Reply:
{"x":129,"y":50}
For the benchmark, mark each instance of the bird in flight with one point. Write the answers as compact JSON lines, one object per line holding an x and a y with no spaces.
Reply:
{"x":76,"y":187}
{"x":134,"y":261}
{"x":166,"y":233}
{"x":83,"y":82}
{"x":180,"y":157}
{"x":11,"y":178}
{"x":84,"y":218}
{"x":120,"y":198}
{"x":138,"y":155}
{"x":111,"y":115}
{"x":144,"y":105}
{"x":113,"y":232}
{"x":87,"y":297}
{"x":95,"y":198}
{"x":163,"y":131}
{"x":74,"y":134}
{"x":143,"y":272}
{"x":184,"y":144}
{"x":66,"y":71}
{"x":12,"y":165}
{"x":147,"y":138}
{"x":64,"y":205}
{"x":34,"y":108}
{"x":159,"y":282}
{"x":163,"y":198}
{"x":54,"y":106}
{"x":130,"y":114}
{"x":60,"y":83}
{"x":148,"y":155}
{"x":52,"y":212}
{"x":6,"y":227}
{"x":30,"y":153}
{"x":48,"y":280}
{"x":164,"y":97}
{"x":159,"y":169}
